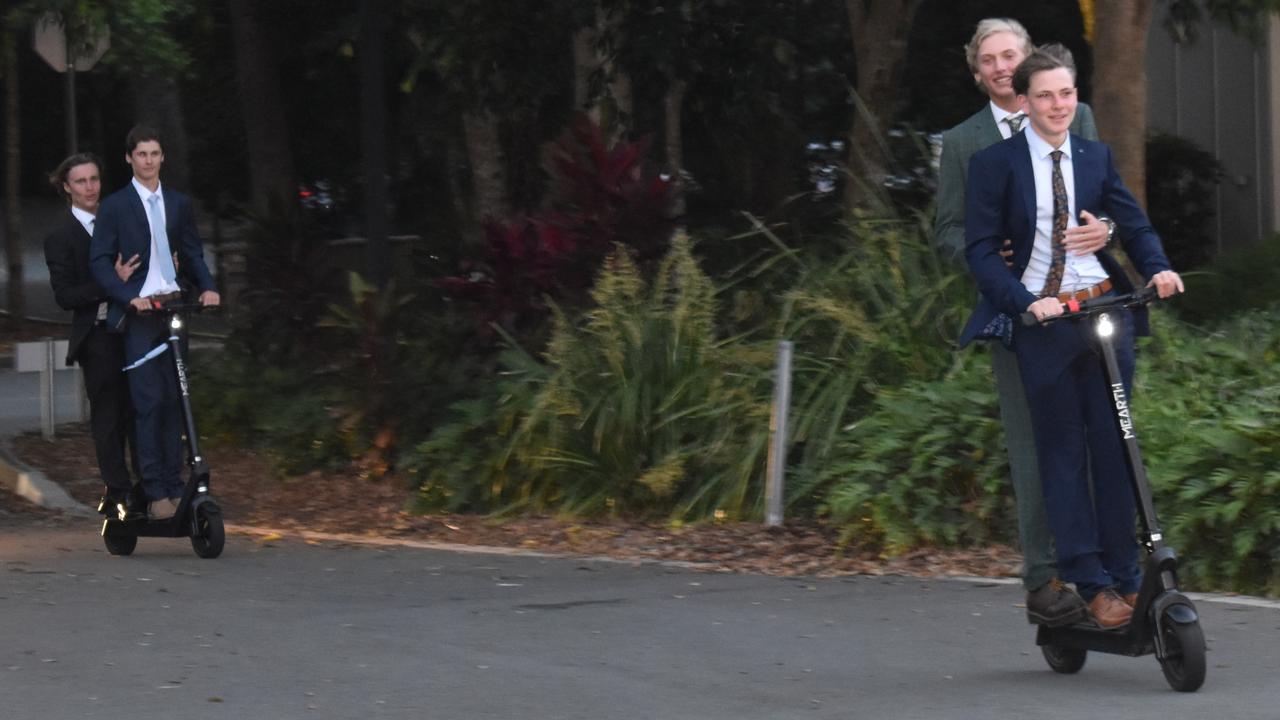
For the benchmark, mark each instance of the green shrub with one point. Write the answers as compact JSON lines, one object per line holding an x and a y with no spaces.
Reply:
{"x":926,"y":466}
{"x":638,"y":410}
{"x":1239,"y":280}
{"x":295,"y":417}
{"x":1208,"y":411}
{"x":877,"y":310}
{"x":466,"y":465}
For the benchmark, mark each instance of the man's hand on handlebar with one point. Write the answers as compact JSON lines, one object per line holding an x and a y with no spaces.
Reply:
{"x":1045,"y":308}
{"x":1167,"y":283}
{"x":142,"y":305}
{"x":209,"y":298}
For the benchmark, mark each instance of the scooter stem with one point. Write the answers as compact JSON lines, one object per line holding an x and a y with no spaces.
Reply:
{"x":1152,"y":537}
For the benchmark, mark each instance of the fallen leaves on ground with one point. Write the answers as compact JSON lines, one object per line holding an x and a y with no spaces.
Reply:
{"x":251,"y":494}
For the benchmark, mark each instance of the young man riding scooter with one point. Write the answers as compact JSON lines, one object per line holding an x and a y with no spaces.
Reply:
{"x":158,"y":225}
{"x":1031,"y":189}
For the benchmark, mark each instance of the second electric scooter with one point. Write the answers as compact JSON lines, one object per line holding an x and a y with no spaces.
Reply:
{"x":198,"y":517}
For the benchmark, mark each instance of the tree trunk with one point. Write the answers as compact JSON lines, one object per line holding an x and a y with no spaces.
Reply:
{"x":272,"y":182}
{"x":1120,"y":86}
{"x":613,"y":110}
{"x":585,"y":62}
{"x":12,"y":168}
{"x":488,"y":165}
{"x":373,"y":141}
{"x":879,"y":29}
{"x":672,"y":108}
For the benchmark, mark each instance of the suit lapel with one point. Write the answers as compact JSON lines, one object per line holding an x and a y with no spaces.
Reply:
{"x":987,"y":132}
{"x":1082,"y":172}
{"x":1026,"y":179}
{"x":140,"y":217}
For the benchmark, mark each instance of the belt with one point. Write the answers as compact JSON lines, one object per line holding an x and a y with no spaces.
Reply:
{"x":1088,"y":293}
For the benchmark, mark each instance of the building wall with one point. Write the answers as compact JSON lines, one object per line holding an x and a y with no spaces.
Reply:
{"x":1218,"y":92}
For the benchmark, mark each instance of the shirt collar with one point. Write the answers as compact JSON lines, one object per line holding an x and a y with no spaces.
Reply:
{"x":999,"y":114}
{"x":144,"y":193}
{"x":84,"y":216}
{"x":1040,"y":148}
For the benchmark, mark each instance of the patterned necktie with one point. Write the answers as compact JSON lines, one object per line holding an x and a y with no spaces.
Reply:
{"x":1015,"y":122}
{"x":160,"y":240}
{"x":1053,"y":280}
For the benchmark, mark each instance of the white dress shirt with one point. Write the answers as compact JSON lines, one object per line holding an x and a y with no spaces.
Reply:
{"x":1080,"y":271}
{"x":86,"y":220}
{"x":155,"y":283}
{"x":1000,"y":114}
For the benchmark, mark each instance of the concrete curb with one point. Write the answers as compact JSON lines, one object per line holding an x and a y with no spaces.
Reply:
{"x":33,"y":486}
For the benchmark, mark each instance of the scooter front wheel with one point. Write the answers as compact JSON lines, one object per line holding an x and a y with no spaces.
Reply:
{"x":209,"y":536}
{"x":1067,"y":661}
{"x":121,"y":544}
{"x":1183,"y":664}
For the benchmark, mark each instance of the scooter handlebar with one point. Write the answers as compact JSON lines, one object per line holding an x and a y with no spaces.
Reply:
{"x":1095,"y":306}
{"x":180,"y":306}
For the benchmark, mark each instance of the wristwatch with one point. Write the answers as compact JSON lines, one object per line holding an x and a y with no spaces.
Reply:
{"x":1111,"y":227}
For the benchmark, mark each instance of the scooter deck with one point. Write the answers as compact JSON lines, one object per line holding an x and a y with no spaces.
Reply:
{"x":169,"y":527}
{"x":1128,"y":640}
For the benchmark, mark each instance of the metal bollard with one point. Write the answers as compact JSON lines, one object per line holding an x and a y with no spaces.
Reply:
{"x":776,"y":468}
{"x":48,"y":401}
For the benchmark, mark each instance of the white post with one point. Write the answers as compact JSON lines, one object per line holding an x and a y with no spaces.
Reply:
{"x":48,"y":400}
{"x":777,"y":463}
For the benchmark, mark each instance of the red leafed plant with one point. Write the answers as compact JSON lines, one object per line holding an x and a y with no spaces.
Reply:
{"x":600,"y":194}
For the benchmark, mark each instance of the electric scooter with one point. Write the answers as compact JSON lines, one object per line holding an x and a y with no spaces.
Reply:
{"x":1165,"y":621}
{"x":198,"y":516}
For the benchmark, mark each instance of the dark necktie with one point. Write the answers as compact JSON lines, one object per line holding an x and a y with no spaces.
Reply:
{"x":1015,"y":122}
{"x":1053,"y":280}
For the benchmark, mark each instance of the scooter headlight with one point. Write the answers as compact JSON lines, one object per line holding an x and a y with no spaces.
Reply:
{"x":175,"y":323}
{"x":1105,"y":327}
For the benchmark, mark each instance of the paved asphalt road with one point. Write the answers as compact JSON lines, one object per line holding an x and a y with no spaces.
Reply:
{"x":287,"y":629}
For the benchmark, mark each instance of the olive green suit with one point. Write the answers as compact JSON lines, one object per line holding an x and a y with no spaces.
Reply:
{"x":958,"y":145}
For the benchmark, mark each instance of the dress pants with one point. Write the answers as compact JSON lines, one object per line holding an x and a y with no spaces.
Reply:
{"x":1076,"y":436}
{"x":101,"y":357}
{"x":157,"y":415}
{"x":1015,"y":416}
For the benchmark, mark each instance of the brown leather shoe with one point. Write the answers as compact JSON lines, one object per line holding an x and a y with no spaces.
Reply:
{"x":1054,"y":604}
{"x":1131,"y":599}
{"x":1109,"y":609}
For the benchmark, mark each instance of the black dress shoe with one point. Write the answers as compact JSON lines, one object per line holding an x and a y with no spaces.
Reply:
{"x":1054,"y":604}
{"x":121,"y":505}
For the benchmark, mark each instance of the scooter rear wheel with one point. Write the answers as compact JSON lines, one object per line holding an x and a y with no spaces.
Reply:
{"x":1183,"y":664}
{"x":120,"y":544}
{"x":1067,"y":661}
{"x":209,"y":535}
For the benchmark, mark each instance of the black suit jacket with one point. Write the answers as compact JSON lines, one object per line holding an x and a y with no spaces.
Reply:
{"x":66,"y":252}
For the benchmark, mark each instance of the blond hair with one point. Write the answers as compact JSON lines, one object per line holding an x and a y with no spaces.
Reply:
{"x":990,"y":26}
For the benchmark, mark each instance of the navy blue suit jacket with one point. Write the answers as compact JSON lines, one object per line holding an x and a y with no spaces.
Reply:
{"x":1000,"y":203}
{"x":122,"y":228}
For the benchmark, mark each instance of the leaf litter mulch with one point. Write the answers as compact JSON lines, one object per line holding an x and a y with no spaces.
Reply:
{"x":252,"y":495}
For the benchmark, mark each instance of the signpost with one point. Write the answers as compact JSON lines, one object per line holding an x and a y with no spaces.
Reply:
{"x":67,"y":50}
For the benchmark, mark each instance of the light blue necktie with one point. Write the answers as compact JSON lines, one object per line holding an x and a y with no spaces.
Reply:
{"x":160,"y":237}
